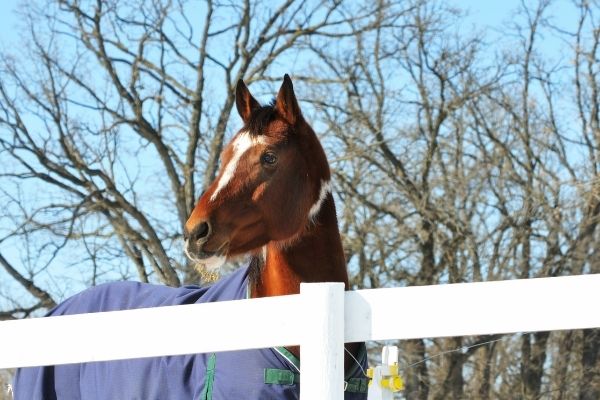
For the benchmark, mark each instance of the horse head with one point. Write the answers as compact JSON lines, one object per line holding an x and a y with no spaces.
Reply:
{"x":273,"y":179}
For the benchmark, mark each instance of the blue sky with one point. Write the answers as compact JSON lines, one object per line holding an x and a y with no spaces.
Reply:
{"x":8,"y":21}
{"x":487,"y":12}
{"x":482,"y":15}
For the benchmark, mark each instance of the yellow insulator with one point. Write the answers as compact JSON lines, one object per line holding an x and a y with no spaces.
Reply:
{"x":397,"y":384}
{"x":393,"y":381}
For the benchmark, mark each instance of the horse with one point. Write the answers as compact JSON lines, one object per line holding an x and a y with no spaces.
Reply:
{"x":272,"y":199}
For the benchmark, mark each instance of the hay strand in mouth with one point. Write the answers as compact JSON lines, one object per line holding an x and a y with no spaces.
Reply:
{"x":207,"y":275}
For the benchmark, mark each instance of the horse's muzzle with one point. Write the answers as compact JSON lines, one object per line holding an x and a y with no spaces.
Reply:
{"x":199,"y":233}
{"x":195,"y":239}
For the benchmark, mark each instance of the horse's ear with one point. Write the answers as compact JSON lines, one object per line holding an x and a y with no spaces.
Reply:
{"x":286,"y":104}
{"x":244,"y":101}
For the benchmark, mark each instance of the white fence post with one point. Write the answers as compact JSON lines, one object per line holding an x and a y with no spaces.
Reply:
{"x":322,"y":347}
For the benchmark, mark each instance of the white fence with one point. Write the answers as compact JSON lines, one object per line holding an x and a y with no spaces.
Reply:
{"x":321,"y":318}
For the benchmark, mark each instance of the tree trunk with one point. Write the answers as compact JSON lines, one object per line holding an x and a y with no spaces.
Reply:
{"x":417,"y":377}
{"x":560,"y":379}
{"x":590,"y":385}
{"x":487,"y":357}
{"x":532,"y":363}
{"x":453,"y":385}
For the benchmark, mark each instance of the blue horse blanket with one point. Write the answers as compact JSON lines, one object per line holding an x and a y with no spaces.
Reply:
{"x":262,"y":374}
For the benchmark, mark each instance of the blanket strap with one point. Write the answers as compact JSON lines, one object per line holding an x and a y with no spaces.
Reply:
{"x":357,"y":385}
{"x":281,"y":377}
{"x":275,"y":376}
{"x":209,"y":378}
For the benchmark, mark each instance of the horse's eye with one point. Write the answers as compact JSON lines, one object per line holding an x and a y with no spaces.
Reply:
{"x":268,"y":158}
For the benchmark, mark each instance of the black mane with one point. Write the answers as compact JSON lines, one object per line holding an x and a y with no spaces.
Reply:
{"x":260,"y":118}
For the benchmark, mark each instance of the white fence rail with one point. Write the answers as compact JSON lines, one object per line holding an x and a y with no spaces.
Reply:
{"x":317,"y":319}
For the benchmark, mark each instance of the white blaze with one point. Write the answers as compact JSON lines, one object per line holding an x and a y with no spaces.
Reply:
{"x":242,"y":143}
{"x":325,"y":190}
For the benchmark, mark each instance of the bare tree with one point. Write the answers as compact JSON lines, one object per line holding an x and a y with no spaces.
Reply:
{"x":456,"y":166}
{"x":401,"y":124}
{"x":114,"y":116}
{"x":456,"y":156}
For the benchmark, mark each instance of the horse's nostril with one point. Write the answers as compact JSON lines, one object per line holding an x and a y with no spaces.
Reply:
{"x":203,"y":231}
{"x":200,"y":231}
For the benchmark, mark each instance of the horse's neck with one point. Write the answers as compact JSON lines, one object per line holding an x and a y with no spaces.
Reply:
{"x":315,"y":256}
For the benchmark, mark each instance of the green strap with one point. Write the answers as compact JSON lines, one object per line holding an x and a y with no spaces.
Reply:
{"x":209,"y":378}
{"x":281,"y":377}
{"x":357,"y":385}
{"x":285,"y":377}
